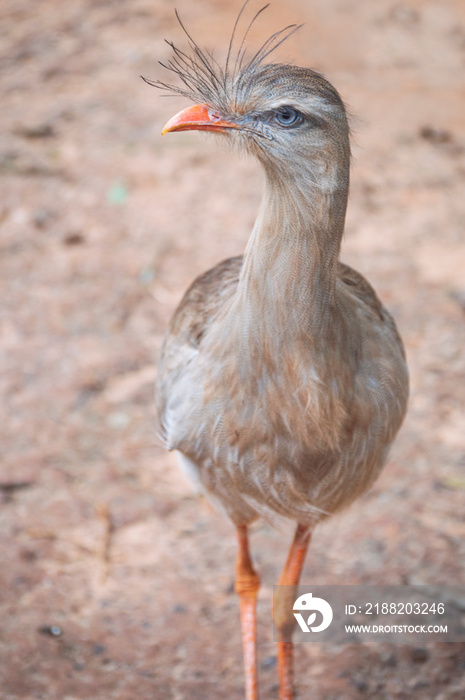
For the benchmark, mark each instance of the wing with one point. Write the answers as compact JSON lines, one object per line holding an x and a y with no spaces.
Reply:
{"x":361,"y":289}
{"x":191,"y":321}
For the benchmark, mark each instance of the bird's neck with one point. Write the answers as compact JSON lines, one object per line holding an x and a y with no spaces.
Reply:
{"x":289,"y":273}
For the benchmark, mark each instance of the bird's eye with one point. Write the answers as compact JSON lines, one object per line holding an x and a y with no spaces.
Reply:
{"x":288,"y":116}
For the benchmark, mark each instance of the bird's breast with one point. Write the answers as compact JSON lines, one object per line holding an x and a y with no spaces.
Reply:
{"x":299,"y":431}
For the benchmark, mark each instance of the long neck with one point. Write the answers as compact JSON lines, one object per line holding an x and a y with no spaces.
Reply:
{"x":289,"y":273}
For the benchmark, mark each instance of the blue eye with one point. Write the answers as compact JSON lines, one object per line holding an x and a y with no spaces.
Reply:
{"x":288,"y":116}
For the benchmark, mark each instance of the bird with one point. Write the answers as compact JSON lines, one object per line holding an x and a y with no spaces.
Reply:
{"x":282,"y":380}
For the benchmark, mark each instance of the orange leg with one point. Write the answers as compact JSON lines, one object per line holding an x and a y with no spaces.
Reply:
{"x":283,"y":617}
{"x":246,"y":586}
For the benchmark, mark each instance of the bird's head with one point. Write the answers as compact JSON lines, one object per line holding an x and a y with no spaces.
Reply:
{"x":291,"y":118}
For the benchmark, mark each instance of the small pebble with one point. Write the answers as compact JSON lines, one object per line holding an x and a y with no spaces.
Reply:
{"x":51,"y":630}
{"x":41,"y":130}
{"x":419,"y":655}
{"x":435,"y":135}
{"x":269,"y":662}
{"x":73,"y":239}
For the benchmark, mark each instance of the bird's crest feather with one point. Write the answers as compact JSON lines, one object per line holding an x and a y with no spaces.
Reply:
{"x":204,"y":79}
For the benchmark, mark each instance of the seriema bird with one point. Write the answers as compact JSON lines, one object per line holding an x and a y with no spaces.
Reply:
{"x":282,"y":381}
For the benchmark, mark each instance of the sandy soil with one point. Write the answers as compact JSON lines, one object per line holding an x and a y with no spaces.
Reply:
{"x":103,"y":225}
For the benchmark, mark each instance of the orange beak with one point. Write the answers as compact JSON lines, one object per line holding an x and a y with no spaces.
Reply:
{"x":199,"y":117}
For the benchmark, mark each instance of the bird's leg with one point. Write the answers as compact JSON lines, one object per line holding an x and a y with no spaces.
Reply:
{"x":246,"y":586}
{"x":283,"y":616}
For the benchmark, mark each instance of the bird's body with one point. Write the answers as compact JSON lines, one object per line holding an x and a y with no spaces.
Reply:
{"x":275,"y":423}
{"x":282,"y":381}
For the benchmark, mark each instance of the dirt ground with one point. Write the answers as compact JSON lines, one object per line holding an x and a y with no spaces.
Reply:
{"x":115,"y":577}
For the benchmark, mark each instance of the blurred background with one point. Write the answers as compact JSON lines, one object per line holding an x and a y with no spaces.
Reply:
{"x":115,"y":577}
